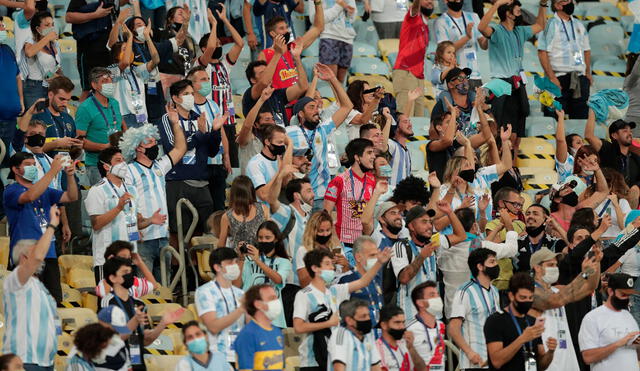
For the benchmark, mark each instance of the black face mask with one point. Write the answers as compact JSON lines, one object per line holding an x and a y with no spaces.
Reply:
{"x":492,"y":272}
{"x":619,"y":304}
{"x":364,"y":327}
{"x":467,"y":175}
{"x":456,"y":7}
{"x":322,"y":240}
{"x":152,"y":152}
{"x":217,"y":53}
{"x":570,"y":200}
{"x":569,"y":8}
{"x":36,"y":140}
{"x":397,"y":334}
{"x":176,"y":26}
{"x":393,"y":229}
{"x":277,"y":150}
{"x":287,"y":37}
{"x":426,"y":11}
{"x":518,"y":21}
{"x":535,"y":231}
{"x":522,"y":306}
{"x":128,"y":280}
{"x":266,"y":247}
{"x":423,"y":239}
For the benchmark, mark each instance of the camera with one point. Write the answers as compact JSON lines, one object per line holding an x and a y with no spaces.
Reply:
{"x":243,"y":248}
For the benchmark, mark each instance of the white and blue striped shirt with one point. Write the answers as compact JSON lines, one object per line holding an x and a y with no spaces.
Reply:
{"x":31,"y":320}
{"x":261,"y":169}
{"x":399,"y":261}
{"x":356,"y":355}
{"x":212,"y":111}
{"x":561,"y":40}
{"x":474,"y":304}
{"x":453,"y":29}
{"x":129,"y":87}
{"x":294,"y":239}
{"x":564,"y":169}
{"x":400,"y":162}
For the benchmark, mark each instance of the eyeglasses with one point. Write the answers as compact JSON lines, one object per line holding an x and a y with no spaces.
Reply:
{"x":461,"y":78}
{"x":517,"y":205}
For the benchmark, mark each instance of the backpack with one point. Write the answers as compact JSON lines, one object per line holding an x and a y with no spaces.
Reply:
{"x":390,"y":284}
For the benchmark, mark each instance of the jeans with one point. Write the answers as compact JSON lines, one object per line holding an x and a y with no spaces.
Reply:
{"x":403,"y":83}
{"x":50,"y":278}
{"x":34,"y":367}
{"x":150,"y":253}
{"x":32,"y":91}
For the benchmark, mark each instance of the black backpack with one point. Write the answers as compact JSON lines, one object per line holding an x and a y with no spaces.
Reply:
{"x":390,"y":284}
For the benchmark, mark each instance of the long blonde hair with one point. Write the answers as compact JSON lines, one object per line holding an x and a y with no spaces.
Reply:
{"x":453,"y":166}
{"x":309,"y":236}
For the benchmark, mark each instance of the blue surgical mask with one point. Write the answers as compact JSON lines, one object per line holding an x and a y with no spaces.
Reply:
{"x":328,"y":275}
{"x":385,"y":171}
{"x":197,"y":346}
{"x":205,"y":88}
{"x":108,"y":89}
{"x":31,"y":173}
{"x":3,"y":36}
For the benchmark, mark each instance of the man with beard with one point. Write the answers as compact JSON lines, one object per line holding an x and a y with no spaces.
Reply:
{"x":249,"y":139}
{"x":400,"y":155}
{"x":537,"y":219}
{"x":461,"y":97}
{"x":390,"y":225}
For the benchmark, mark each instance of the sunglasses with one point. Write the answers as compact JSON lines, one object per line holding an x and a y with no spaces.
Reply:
{"x":461,"y":78}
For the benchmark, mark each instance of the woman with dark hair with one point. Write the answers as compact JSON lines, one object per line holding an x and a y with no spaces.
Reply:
{"x":365,"y":104}
{"x":42,"y":56}
{"x":585,"y":159}
{"x":616,"y":205}
{"x":240,"y":223}
{"x":10,"y":362}
{"x":267,"y":262}
{"x":632,"y":87}
{"x":93,"y":343}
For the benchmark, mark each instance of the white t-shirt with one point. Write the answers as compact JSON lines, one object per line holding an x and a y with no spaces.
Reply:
{"x":613,"y":230}
{"x":630,"y":262}
{"x":42,"y":65}
{"x":392,"y":11}
{"x":426,"y":340}
{"x":603,"y":326}
{"x":346,"y":348}
{"x":556,"y":326}
{"x":261,"y":170}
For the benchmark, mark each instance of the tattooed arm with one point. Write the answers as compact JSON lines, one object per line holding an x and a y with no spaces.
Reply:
{"x":410,"y":271}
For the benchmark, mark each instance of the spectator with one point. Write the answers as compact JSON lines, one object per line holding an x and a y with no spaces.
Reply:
{"x":518,"y":346}
{"x":630,"y":86}
{"x":350,"y":191}
{"x":564,"y":149}
{"x":473,"y":303}
{"x":141,"y":285}
{"x":239,"y":224}
{"x":366,"y":100}
{"x":426,"y":327}
{"x":411,"y":191}
{"x":608,"y":333}
{"x":188,"y":179}
{"x":563,"y":64}
{"x":113,"y":317}
{"x":382,"y":171}
{"x":263,"y":167}
{"x":442,"y":146}
{"x":507,"y":204}
{"x":177,"y":27}
{"x":148,"y":175}
{"x":27,"y":203}
{"x":41,"y":57}
{"x":445,"y":60}
{"x":461,"y":28}
{"x":265,"y":16}
{"x":537,"y":220}
{"x":615,"y":204}
{"x":400,"y":155}
{"x":28,"y":333}
{"x":461,"y":97}
{"x":379,"y":137}
{"x":352,"y":345}
{"x":259,"y":345}
{"x":97,"y":118}
{"x":11,"y":362}
{"x":249,"y":139}
{"x":198,"y":24}
{"x":200,"y":357}
{"x":408,"y":71}
{"x":336,"y":40}
{"x":390,"y":225}
{"x":397,"y":343}
{"x":91,"y":343}
{"x":219,"y":304}
{"x":319,"y":234}
{"x":11,"y":90}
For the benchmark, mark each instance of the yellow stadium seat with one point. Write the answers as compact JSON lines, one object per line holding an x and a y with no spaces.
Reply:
{"x":291,"y":342}
{"x":388,"y":46}
{"x":192,"y":308}
{"x":8,"y":24}
{"x":75,"y":261}
{"x":74,"y":318}
{"x":374,"y":80}
{"x":159,"y":295}
{"x":527,"y":200}
{"x":536,"y":152}
{"x":536,"y":178}
{"x":237,"y":106}
{"x":90,"y":301}
{"x":292,"y":363}
{"x":178,"y":343}
{"x":203,"y":246}
{"x":67,"y":45}
{"x":65,"y":343}
{"x":4,"y":252}
{"x":161,"y":363}
{"x":156,"y":311}
{"x":80,"y":278}
{"x":71,"y":298}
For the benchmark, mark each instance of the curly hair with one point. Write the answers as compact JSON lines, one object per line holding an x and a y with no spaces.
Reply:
{"x":133,"y":137}
{"x":92,"y":338}
{"x":411,"y":188}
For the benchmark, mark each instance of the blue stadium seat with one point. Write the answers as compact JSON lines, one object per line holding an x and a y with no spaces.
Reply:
{"x":607,"y":82}
{"x":610,"y":64}
{"x":577,"y":127}
{"x":369,"y":66}
{"x":597,"y":9}
{"x":392,"y":59}
{"x":308,"y":63}
{"x":366,"y":32}
{"x":361,"y":49}
{"x":532,"y":65}
{"x":313,"y":50}
{"x":298,"y":24}
{"x":605,"y":39}
{"x":420,"y":126}
{"x":539,"y":125}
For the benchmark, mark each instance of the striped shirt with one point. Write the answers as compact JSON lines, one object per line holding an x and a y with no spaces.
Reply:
{"x":294,"y":239}
{"x":129,"y":88}
{"x":211,"y":297}
{"x":565,"y":42}
{"x":103,"y":197}
{"x":212,"y":110}
{"x":78,"y":363}
{"x":31,"y":320}
{"x":474,"y":304}
{"x":564,"y":169}
{"x":140,"y":288}
{"x":399,"y":261}
{"x":429,"y":342}
{"x":350,"y":194}
{"x":308,"y":300}
{"x":356,"y":355}
{"x":261,"y":169}
{"x":221,"y":86}
{"x":453,"y":29}
{"x":198,"y":23}
{"x":253,"y":275}
{"x":150,"y":185}
{"x":400,"y":162}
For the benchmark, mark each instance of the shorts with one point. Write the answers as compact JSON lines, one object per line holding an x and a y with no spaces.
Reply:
{"x":335,"y":52}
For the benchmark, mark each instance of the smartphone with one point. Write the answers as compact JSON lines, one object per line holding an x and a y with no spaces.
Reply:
{"x":42,"y":105}
{"x":372,"y":90}
{"x":336,"y":250}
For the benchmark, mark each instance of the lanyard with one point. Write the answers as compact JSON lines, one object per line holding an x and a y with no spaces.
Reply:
{"x":464,"y":21}
{"x":309,"y":139}
{"x":426,"y":330}
{"x":393,"y":354}
{"x":191,"y":126}
{"x":225,"y":299}
{"x":57,"y":126}
{"x":140,"y":50}
{"x":484,"y":300}
{"x":121,"y":305}
{"x":535,"y":247}
{"x":116,"y":191}
{"x":266,"y":279}
{"x":130,"y":76}
{"x":99,"y":107}
{"x":353,"y":186}
{"x":519,"y":329}
{"x":573,"y":31}
{"x":604,"y":209}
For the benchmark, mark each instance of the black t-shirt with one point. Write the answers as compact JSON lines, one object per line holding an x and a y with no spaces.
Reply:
{"x":500,"y":327}
{"x":629,"y":166}
{"x":526,"y":248}
{"x":173,"y":63}
{"x":129,"y":308}
{"x":276,"y":104}
{"x":97,"y":43}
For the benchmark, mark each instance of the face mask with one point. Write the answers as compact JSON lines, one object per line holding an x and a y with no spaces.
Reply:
{"x":588,"y":172}
{"x":176,"y":26}
{"x":140,"y":34}
{"x":370,"y":263}
{"x":188,"y":102}
{"x":569,"y":8}
{"x":266,"y":247}
{"x":3,"y":36}
{"x":492,"y":272}
{"x":397,"y":334}
{"x":456,"y":7}
{"x":30,"y":173}
{"x":535,"y":231}
{"x":198,"y":346}
{"x":108,"y":88}
{"x":217,"y":53}
{"x":468,"y":175}
{"x":306,"y":207}
{"x":36,"y":140}
{"x":571,"y":199}
{"x":205,"y":88}
{"x":120,"y":170}
{"x":423,"y":239}
{"x":128,"y":280}
{"x":551,"y":275}
{"x":619,"y":304}
{"x":522,"y":306}
{"x":364,"y":327}
{"x":435,"y":307}
{"x":274,"y":309}
{"x":385,"y":171}
{"x":277,"y":150}
{"x":322,"y":240}
{"x":232,"y":272}
{"x":152,"y":152}
{"x":328,"y":275}
{"x":426,"y":11}
{"x":46,"y":31}
{"x":463,"y":87}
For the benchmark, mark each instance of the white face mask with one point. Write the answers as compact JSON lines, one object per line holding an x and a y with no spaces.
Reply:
{"x":274,"y":309}
{"x":370,"y":263}
{"x":306,"y":207}
{"x":232,"y":272}
{"x":121,"y":170}
{"x":140,"y":33}
{"x":112,"y":349}
{"x":188,"y":102}
{"x":551,"y":275}
{"x":435,"y":307}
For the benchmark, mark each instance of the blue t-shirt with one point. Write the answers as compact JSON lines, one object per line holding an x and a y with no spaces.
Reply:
{"x":28,"y":221}
{"x":10,"y":102}
{"x":260,"y":349}
{"x":372,"y":294}
{"x":57,"y":127}
{"x":506,"y":49}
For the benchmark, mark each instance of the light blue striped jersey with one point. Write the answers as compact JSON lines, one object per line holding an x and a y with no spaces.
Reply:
{"x":561,"y":40}
{"x":261,"y":169}
{"x":128,"y":86}
{"x":474,"y":304}
{"x":453,"y":29}
{"x":198,"y":23}
{"x":212,"y":111}
{"x":564,"y":169}
{"x":400,"y":162}
{"x":211,"y":297}
{"x":217,"y":362}
{"x":77,"y":363}
{"x":294,"y":239}
{"x":253,"y":275}
{"x":31,"y":320}
{"x":356,"y":355}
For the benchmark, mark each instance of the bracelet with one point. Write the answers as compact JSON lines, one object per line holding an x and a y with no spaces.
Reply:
{"x":52,"y":226}
{"x":319,"y":2}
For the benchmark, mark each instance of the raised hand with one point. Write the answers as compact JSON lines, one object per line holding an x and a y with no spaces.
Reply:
{"x":266,"y":93}
{"x":505,"y":133}
{"x":219,"y":121}
{"x":171,"y":317}
{"x":123,"y":16}
{"x":324,"y":72}
{"x":444,"y":207}
{"x":484,"y":202}
{"x":468,"y":201}
{"x":124,"y":199}
{"x":147,"y":30}
{"x":222,"y":13}
{"x":172,"y":113}
{"x":381,"y":187}
{"x":296,"y":51}
{"x":385,"y":255}
{"x":186,"y":13}
{"x":211,"y":19}
{"x":434,"y":182}
{"x":57,"y":163}
{"x":605,"y":222}
{"x":415,"y":94}
{"x":280,"y":44}
{"x":469,"y":30}
{"x":202,"y":122}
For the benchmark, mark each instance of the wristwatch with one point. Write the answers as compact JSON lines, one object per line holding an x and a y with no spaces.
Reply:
{"x":52,"y":226}
{"x":585,"y":275}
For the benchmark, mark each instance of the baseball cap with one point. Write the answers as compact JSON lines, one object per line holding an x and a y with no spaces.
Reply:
{"x":454,"y":72}
{"x":384,"y":207}
{"x":620,"y":124}
{"x":299,"y":142}
{"x":542,"y":255}
{"x":622,"y":282}
{"x":116,"y":318}
{"x":417,"y":212}
{"x":299,"y":106}
{"x":16,"y":160}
